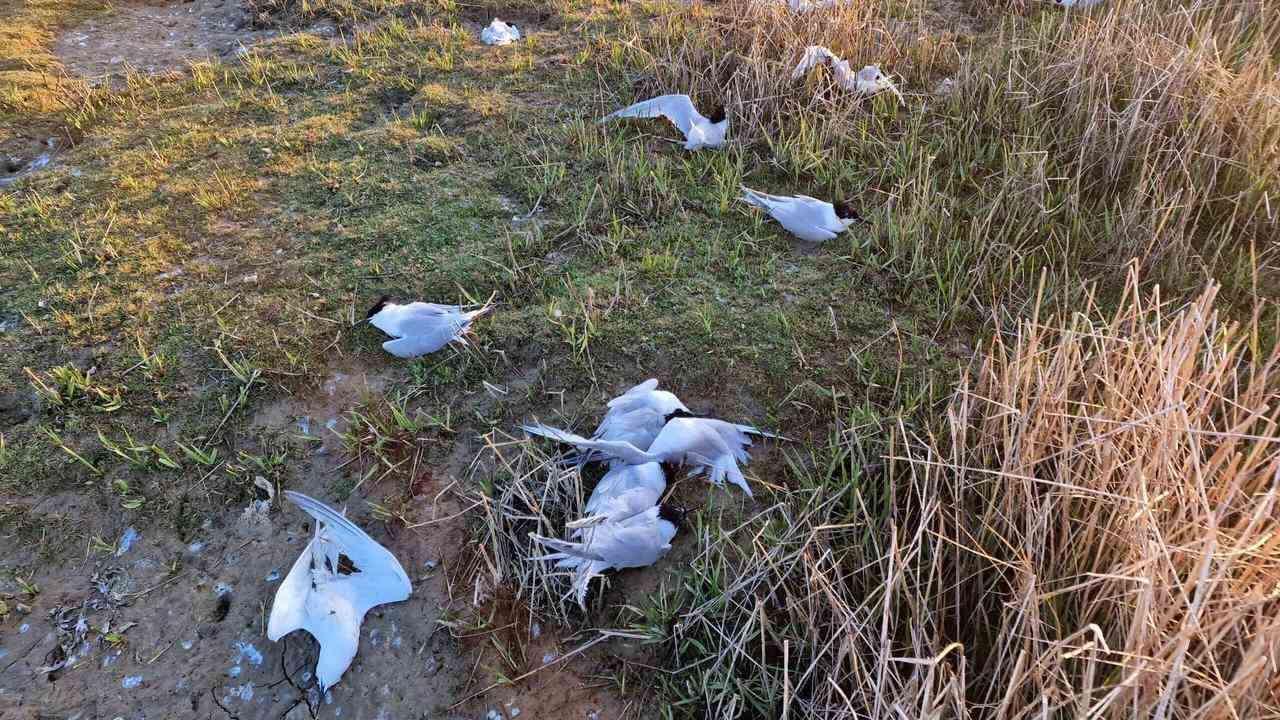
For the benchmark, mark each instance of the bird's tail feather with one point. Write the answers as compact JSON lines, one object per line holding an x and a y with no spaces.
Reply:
{"x":761,"y":200}
{"x":572,"y":549}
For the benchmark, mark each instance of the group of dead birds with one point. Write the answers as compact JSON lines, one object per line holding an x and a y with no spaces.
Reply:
{"x":343,"y":573}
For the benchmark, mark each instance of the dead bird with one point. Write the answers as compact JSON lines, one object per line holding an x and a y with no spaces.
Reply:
{"x":699,"y":131}
{"x":868,"y":81}
{"x":805,"y":217}
{"x":421,"y":328}
{"x":637,"y":541}
{"x":328,"y":598}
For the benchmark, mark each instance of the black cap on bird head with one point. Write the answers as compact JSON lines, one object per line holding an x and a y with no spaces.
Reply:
{"x":846,"y":211}
{"x":677,"y":413}
{"x":717,"y":114}
{"x":672,"y":514}
{"x":377,"y":307}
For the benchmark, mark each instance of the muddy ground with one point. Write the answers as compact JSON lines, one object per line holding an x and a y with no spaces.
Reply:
{"x":156,"y":37}
{"x":161,"y":628}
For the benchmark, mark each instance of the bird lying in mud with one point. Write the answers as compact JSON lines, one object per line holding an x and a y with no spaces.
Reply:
{"x":421,"y":328}
{"x":329,"y":599}
{"x":805,"y":217}
{"x":699,"y":132}
{"x":706,"y":444}
{"x":867,"y":81}
{"x":637,"y":541}
{"x":499,"y":33}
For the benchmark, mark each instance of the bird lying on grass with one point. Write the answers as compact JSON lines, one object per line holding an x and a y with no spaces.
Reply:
{"x":867,"y":81}
{"x":499,"y":33}
{"x":636,"y":416}
{"x":329,"y":599}
{"x":805,"y":217}
{"x":699,"y":132}
{"x":637,"y":541}
{"x":421,"y":328}
{"x":708,"y":445}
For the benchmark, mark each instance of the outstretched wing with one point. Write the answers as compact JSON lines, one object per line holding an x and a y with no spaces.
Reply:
{"x":289,"y":609}
{"x":379,"y":578}
{"x":813,"y":56}
{"x":624,"y":451}
{"x":678,"y":109}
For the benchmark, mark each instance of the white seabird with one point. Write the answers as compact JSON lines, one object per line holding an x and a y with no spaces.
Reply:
{"x":867,"y":81}
{"x":326,"y":598}
{"x":637,"y":416}
{"x":699,"y":132}
{"x":706,"y":444}
{"x":638,"y":541}
{"x":499,"y":33}
{"x":421,"y":328}
{"x":624,"y":491}
{"x":805,"y":217}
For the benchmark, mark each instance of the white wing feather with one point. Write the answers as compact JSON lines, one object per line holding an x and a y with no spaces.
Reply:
{"x":678,"y":109}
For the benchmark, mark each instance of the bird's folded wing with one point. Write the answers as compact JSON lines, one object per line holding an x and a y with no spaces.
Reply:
{"x":399,"y":320}
{"x":764,"y":200}
{"x":637,"y":426}
{"x":289,"y":608}
{"x":676,"y":108}
{"x":413,"y":346}
{"x":636,"y":546}
{"x":813,"y":55}
{"x":647,"y":386}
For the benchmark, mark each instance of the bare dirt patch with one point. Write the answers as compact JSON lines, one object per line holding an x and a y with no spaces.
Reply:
{"x":156,"y":37}
{"x":162,"y":627}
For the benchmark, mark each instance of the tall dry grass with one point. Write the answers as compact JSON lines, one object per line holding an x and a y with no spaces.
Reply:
{"x":1073,"y":140}
{"x":1113,"y":528}
{"x":1097,"y":537}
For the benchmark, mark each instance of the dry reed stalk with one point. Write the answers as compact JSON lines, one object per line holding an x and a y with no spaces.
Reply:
{"x":1114,"y":515}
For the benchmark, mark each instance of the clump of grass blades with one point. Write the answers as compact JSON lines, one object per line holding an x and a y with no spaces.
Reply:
{"x":519,"y":490}
{"x":1111,"y":526}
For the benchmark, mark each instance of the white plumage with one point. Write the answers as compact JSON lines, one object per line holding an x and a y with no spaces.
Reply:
{"x":499,"y":33}
{"x":319,"y":597}
{"x":867,"y":81}
{"x":708,"y":445}
{"x":421,"y":328}
{"x":637,"y":541}
{"x":624,"y":491}
{"x":699,"y":131}
{"x":805,"y":217}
